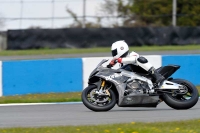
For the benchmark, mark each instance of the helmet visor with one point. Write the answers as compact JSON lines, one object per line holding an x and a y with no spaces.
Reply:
{"x":114,"y":52}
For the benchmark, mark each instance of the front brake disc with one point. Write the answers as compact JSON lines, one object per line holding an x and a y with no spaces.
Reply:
{"x":98,"y":98}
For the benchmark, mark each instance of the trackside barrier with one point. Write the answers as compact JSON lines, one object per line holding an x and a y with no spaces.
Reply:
{"x":190,"y":67}
{"x":41,"y":76}
{"x":71,"y":75}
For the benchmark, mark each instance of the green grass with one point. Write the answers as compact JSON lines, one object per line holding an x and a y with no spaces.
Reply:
{"x":190,"y":126}
{"x":93,"y":50}
{"x":38,"y":98}
{"x":198,"y":87}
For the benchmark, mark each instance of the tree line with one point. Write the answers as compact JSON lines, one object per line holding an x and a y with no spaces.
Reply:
{"x":133,"y":13}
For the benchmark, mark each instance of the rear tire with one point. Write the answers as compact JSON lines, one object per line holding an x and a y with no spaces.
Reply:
{"x":179,"y":102}
{"x":109,"y":104}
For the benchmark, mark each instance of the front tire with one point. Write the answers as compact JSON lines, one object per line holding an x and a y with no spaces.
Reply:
{"x":96,"y":104}
{"x":182,"y":101}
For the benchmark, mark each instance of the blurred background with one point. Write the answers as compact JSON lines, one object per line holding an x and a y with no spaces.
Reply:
{"x":28,"y":14}
{"x":48,"y":23}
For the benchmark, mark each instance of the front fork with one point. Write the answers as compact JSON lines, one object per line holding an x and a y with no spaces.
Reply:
{"x":102,"y":88}
{"x":102,"y":84}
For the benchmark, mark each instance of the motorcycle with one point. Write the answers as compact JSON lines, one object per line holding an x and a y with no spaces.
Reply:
{"x":132,"y":86}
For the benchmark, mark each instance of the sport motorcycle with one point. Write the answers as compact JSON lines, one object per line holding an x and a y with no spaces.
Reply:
{"x":132,"y":86}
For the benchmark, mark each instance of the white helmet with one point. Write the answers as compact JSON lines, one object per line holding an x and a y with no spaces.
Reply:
{"x":119,"y":49}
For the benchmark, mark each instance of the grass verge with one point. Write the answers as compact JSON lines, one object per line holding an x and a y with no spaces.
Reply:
{"x":42,"y":98}
{"x":93,"y":50}
{"x":51,"y":97}
{"x":189,"y":126}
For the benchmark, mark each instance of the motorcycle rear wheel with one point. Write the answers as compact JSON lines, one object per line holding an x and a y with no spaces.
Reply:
{"x":96,"y":104}
{"x":182,"y":101}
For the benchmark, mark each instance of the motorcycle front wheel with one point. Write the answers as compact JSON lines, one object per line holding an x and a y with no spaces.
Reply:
{"x":182,"y":101}
{"x":93,"y":101}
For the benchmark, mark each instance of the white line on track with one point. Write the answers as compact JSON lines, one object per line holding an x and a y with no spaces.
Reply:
{"x":23,"y":104}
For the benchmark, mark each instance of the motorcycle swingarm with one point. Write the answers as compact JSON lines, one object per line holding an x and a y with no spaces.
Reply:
{"x":167,"y":85}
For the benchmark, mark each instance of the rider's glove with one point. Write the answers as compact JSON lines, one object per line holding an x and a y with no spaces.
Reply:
{"x":113,"y":62}
{"x":109,"y":66}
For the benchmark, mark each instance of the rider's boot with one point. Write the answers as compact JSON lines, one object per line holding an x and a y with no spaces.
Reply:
{"x":158,"y":78}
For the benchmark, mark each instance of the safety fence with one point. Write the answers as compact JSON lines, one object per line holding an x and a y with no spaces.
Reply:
{"x":3,"y":40}
{"x":71,"y":75}
{"x":102,"y":37}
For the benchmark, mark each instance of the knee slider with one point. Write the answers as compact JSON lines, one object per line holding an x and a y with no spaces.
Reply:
{"x":142,"y":60}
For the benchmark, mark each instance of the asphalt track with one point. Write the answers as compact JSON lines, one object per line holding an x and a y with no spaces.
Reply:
{"x":78,"y":114}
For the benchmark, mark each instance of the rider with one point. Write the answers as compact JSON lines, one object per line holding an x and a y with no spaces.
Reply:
{"x":120,"y":53}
